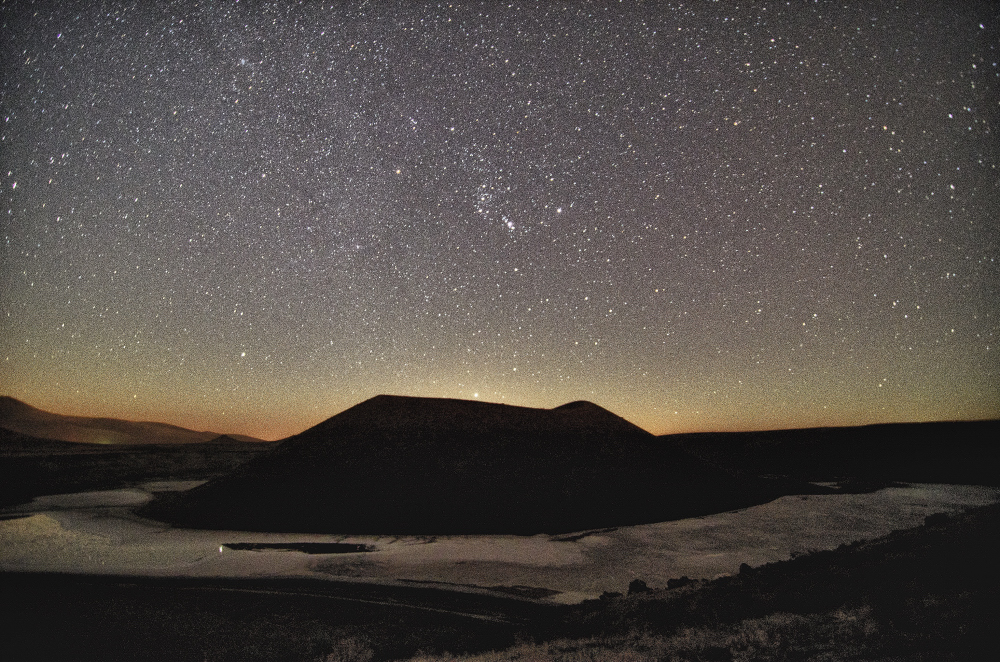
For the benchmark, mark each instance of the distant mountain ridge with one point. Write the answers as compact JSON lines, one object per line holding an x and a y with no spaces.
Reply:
{"x":397,"y":464}
{"x":22,"y":418}
{"x":957,"y":452}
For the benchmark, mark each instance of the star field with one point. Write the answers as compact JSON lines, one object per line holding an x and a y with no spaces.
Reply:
{"x":247,"y":217}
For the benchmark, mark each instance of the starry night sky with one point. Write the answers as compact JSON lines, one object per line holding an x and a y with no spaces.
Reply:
{"x":247,"y":217}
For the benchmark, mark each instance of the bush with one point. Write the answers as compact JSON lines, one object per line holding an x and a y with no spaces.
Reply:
{"x":637,"y":586}
{"x":350,"y":649}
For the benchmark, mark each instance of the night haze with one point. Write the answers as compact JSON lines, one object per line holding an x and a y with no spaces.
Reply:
{"x":246,"y":218}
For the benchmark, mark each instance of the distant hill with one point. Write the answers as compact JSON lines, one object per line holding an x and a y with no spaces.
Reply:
{"x":20,"y":417}
{"x":959,"y":452}
{"x":17,"y":443}
{"x":425,"y":465}
{"x":31,"y":467}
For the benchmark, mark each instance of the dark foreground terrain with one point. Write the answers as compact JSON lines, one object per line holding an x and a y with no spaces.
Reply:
{"x":929,"y":593}
{"x":74,"y":617}
{"x":923,"y":594}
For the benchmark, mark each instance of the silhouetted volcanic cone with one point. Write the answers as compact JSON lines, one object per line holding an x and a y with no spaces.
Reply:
{"x":404,"y":465}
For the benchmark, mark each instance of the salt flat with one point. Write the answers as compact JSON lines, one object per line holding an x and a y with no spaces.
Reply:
{"x":96,"y":532}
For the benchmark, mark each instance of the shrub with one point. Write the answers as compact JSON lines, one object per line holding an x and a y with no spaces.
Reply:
{"x":350,"y":649}
{"x":637,"y":586}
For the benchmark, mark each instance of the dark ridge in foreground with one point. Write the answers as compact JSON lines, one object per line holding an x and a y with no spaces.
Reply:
{"x":928,"y":593}
{"x":956,"y":452}
{"x":112,"y":618}
{"x":399,"y":465}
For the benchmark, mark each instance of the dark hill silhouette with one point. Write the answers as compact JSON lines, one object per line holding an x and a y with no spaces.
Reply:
{"x":20,"y":417}
{"x":958,"y":452}
{"x":398,"y":465}
{"x":18,"y":444}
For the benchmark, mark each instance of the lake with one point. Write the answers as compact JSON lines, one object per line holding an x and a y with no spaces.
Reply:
{"x":97,"y":532}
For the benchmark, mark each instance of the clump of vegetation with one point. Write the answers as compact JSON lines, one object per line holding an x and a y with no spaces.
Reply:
{"x":780,"y":636}
{"x":350,"y":649}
